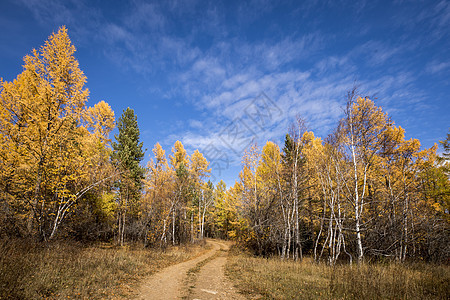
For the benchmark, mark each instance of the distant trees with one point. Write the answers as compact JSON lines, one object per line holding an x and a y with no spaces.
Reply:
{"x":158,"y":198}
{"x":202,"y":191}
{"x":176,"y":195}
{"x":365,"y":190}
{"x":220,"y":212}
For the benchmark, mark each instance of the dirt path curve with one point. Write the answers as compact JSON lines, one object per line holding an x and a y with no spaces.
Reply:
{"x":211,"y":281}
{"x":208,"y":283}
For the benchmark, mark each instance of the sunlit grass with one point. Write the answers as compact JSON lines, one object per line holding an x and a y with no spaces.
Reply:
{"x":64,"y":270}
{"x":276,"y":279}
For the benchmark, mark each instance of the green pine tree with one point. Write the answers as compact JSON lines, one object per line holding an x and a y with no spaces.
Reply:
{"x":446,"y":145}
{"x":127,"y":155}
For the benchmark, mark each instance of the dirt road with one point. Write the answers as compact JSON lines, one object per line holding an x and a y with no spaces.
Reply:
{"x":199,"y":278}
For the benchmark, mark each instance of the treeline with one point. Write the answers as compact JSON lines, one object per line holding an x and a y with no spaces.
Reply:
{"x":62,"y":176}
{"x":364,"y":191}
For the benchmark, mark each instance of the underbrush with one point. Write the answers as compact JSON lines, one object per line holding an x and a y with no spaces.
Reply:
{"x":276,"y":279}
{"x":69,"y":270}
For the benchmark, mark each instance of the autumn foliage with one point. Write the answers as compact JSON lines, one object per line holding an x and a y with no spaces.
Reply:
{"x":363,"y":192}
{"x":54,"y":149}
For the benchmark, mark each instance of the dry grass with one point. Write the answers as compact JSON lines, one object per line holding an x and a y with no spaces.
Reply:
{"x":64,"y":270}
{"x":391,"y":281}
{"x":275,"y":279}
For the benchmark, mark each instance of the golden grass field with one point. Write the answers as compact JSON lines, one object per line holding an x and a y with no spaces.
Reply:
{"x":276,"y":279}
{"x":102,"y":271}
{"x":69,"y":270}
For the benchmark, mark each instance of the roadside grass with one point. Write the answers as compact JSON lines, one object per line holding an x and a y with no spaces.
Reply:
{"x":276,"y":279}
{"x":69,"y":270}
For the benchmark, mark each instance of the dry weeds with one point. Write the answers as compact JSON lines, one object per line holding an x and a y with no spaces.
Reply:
{"x":276,"y":279}
{"x":69,"y":270}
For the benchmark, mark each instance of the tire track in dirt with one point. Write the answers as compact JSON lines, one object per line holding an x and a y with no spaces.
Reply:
{"x":211,"y":281}
{"x":200,"y":278}
{"x":168,"y":283}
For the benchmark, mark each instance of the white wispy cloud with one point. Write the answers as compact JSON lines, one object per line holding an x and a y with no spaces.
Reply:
{"x":52,"y":11}
{"x":208,"y":64}
{"x":195,"y":124}
{"x":434,"y":19}
{"x":437,"y":66}
{"x":146,"y":16}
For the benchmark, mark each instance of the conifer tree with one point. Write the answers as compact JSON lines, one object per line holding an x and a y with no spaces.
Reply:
{"x":127,"y":155}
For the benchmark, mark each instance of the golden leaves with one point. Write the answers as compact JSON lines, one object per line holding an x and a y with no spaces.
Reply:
{"x":44,"y":130}
{"x":199,"y":166}
{"x":100,"y":118}
{"x":179,"y":156}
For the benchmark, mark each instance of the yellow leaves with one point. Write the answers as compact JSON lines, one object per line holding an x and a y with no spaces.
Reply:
{"x":437,"y":207}
{"x":365,"y":125}
{"x":271,"y":156}
{"x":107,"y":204}
{"x":394,"y":134}
{"x":365,"y":108}
{"x":160,"y":155}
{"x":250,"y":162}
{"x":172,"y":190}
{"x":58,"y":73}
{"x":309,"y":138}
{"x":179,"y":156}
{"x":312,"y":148}
{"x":270,"y":168}
{"x":199,"y":166}
{"x":159,"y":176}
{"x":101,"y":119}
{"x":251,"y":157}
{"x":48,"y":153}
{"x":407,"y":148}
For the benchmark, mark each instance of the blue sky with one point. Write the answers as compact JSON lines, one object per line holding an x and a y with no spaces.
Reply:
{"x":197,"y":71}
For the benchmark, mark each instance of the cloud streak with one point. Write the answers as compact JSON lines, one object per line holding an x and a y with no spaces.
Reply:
{"x":213,"y":59}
